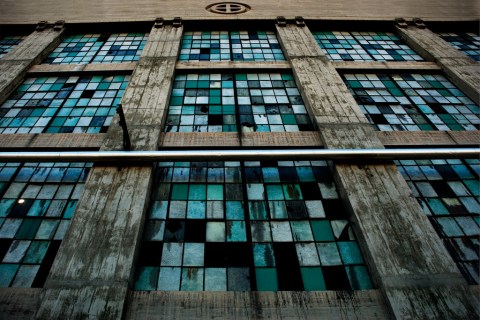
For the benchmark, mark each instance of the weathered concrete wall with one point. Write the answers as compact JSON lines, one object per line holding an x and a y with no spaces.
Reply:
{"x":95,"y":263}
{"x":15,"y":64}
{"x":18,"y":303}
{"x":20,"y":11}
{"x":461,"y":69}
{"x":413,"y":269}
{"x":256,"y":305}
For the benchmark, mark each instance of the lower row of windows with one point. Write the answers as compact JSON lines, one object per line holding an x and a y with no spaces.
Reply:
{"x":234,"y":225}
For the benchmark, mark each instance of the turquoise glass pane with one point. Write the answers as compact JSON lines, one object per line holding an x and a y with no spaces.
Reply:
{"x":146,"y":279}
{"x":313,"y":279}
{"x":266,"y":279}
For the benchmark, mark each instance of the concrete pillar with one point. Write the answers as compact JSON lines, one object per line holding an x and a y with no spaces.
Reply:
{"x":407,"y":259}
{"x":94,"y":267}
{"x":461,"y":69}
{"x":32,"y":50}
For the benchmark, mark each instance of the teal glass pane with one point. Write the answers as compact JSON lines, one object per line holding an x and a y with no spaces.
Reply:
{"x":7,"y":272}
{"x":313,"y":279}
{"x":468,"y":43}
{"x":329,"y":255}
{"x":215,"y":279}
{"x":236,"y":231}
{"x":358,"y":277}
{"x":350,"y":252}
{"x":169,"y":279}
{"x":322,"y":230}
{"x":147,"y":278}
{"x":266,"y":279}
{"x":192,"y":279}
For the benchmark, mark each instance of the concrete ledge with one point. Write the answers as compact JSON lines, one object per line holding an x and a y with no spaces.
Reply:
{"x":385,"y":65}
{"x":82,"y":68}
{"x":52,"y":140}
{"x":146,"y":305}
{"x":235,"y":65}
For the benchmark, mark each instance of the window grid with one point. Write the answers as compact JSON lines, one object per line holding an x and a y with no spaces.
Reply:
{"x":230,"y":46}
{"x":224,"y":102}
{"x":63,"y":104}
{"x":37,"y":202}
{"x":448,"y":192}
{"x":468,"y":43}
{"x":413,"y":102}
{"x":364,"y":46}
{"x":248,"y":226}
{"x":8,"y":42}
{"x":99,"y":48}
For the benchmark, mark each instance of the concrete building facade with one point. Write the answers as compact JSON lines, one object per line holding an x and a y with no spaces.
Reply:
{"x":239,"y":237}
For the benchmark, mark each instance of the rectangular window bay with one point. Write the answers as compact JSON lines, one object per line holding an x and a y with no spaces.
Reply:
{"x":248,"y":226}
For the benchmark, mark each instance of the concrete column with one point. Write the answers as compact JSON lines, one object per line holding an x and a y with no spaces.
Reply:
{"x":408,"y":261}
{"x":461,"y":69}
{"x":32,"y":50}
{"x":94,"y":267}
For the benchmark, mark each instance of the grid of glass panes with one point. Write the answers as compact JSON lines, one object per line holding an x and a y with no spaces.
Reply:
{"x":37,"y":203}
{"x":282,"y":227}
{"x":270,"y":102}
{"x":63,"y":104}
{"x":449,"y":191}
{"x":202,"y":103}
{"x":99,"y":48}
{"x":234,"y":45}
{"x":217,"y":102}
{"x":413,"y":102}
{"x":8,"y":42}
{"x":364,"y":46}
{"x":469,"y":43}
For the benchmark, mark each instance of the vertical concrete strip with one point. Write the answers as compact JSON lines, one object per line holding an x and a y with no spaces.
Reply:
{"x":461,"y":69}
{"x":95,"y":264}
{"x":409,"y":263}
{"x":32,"y":50}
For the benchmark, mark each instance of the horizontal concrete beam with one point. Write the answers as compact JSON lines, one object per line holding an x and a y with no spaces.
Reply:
{"x":386,"y":65}
{"x":83,"y":68}
{"x":243,"y":155}
{"x":232,"y":65}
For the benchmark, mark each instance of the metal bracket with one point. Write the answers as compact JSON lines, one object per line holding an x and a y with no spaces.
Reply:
{"x":299,"y":21}
{"x":158,"y":23}
{"x":59,"y":25}
{"x":177,"y":22}
{"x":127,"y":146}
{"x":401,"y":23}
{"x":281,"y":21}
{"x":418,"y":22}
{"x":41,"y":25}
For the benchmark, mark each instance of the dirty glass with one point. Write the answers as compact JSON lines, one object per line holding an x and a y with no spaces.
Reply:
{"x":98,"y":48}
{"x":37,"y":201}
{"x":8,"y":42}
{"x":241,"y":226}
{"x":63,"y":104}
{"x":230,"y":46}
{"x":413,"y":102}
{"x":449,"y":194}
{"x":265,"y":102}
{"x":364,"y":46}
{"x":468,"y":43}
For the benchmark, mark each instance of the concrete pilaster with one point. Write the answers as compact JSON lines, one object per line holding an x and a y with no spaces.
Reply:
{"x":32,"y":50}
{"x":461,"y":69}
{"x":412,"y":268}
{"x":94,"y":267}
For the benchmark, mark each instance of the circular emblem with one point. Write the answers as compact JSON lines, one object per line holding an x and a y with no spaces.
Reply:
{"x":228,"y":8}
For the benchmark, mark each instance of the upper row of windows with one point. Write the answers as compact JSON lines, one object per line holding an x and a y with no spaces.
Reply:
{"x":242,"y":46}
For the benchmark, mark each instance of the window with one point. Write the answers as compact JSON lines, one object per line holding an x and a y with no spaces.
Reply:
{"x":7,"y":43}
{"x":468,"y":43}
{"x":37,"y":202}
{"x":413,"y":102}
{"x":230,"y":46}
{"x":227,"y":102}
{"x":364,"y":46}
{"x":63,"y":104}
{"x":242,"y":226}
{"x":99,"y":48}
{"x":448,"y":191}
